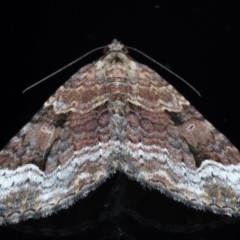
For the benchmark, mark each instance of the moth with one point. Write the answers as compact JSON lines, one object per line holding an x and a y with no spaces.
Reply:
{"x":116,"y":115}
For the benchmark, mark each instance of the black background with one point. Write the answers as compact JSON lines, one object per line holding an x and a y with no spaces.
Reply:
{"x":196,"y":39}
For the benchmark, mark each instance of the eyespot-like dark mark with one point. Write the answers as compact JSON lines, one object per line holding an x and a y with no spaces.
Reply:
{"x":190,"y":127}
{"x":198,"y":155}
{"x":39,"y":162}
{"x":60,"y":119}
{"x":175,"y":117}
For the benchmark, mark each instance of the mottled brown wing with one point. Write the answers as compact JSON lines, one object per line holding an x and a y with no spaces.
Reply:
{"x":60,"y":155}
{"x":117,"y":114}
{"x":172,"y":148}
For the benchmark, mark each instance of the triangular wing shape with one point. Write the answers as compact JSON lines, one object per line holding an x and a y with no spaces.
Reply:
{"x":61,"y":154}
{"x":172,"y":148}
{"x":116,"y":114}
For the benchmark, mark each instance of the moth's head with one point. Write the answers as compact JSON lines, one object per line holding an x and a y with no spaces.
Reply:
{"x":115,"y":46}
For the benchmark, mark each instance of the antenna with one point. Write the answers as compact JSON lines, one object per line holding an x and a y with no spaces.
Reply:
{"x":61,"y":69}
{"x":159,"y":64}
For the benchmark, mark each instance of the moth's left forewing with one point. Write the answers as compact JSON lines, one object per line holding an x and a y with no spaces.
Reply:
{"x":60,"y":155}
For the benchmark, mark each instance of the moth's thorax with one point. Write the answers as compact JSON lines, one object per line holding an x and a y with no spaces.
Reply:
{"x":116,"y":68}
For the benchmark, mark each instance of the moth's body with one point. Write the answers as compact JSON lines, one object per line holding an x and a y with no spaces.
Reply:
{"x":116,"y":114}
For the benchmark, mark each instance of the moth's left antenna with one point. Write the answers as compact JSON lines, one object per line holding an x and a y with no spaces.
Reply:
{"x":61,"y":69}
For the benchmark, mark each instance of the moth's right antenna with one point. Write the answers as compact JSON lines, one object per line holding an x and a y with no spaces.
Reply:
{"x":159,"y":64}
